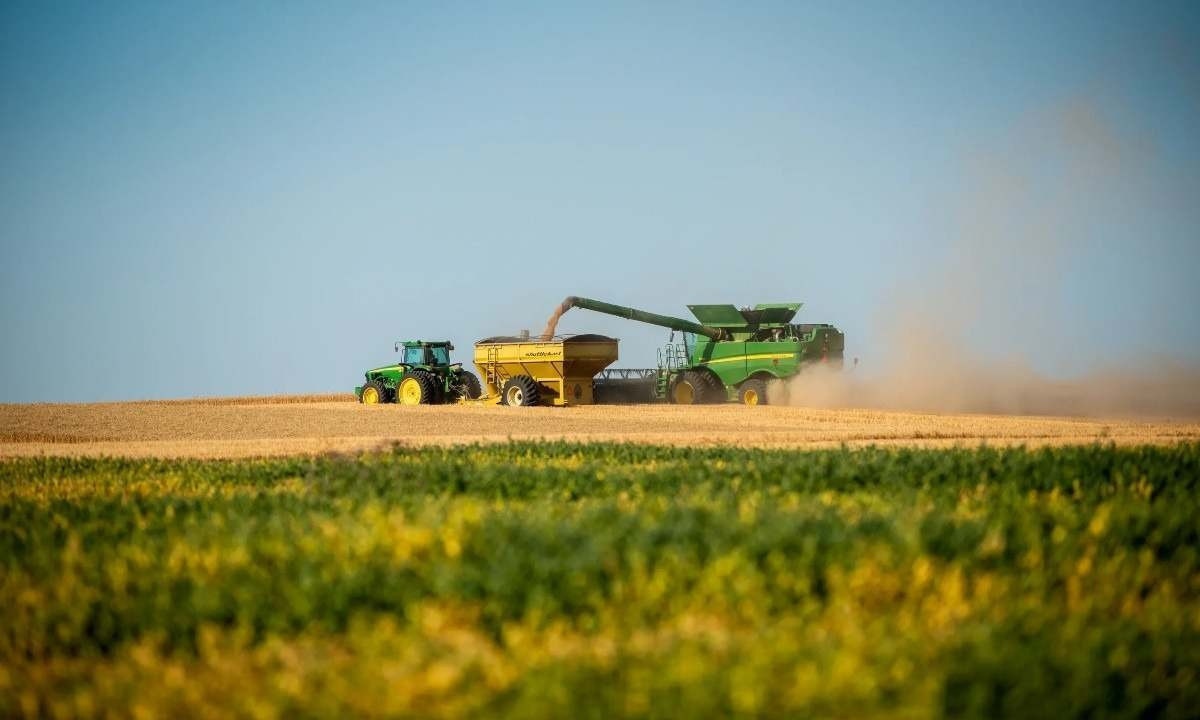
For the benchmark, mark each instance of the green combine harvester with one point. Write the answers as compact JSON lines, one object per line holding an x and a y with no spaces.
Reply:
{"x":729,"y":355}
{"x":424,"y":376}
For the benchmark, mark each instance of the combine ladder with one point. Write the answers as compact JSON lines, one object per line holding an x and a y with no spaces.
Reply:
{"x":672,"y":357}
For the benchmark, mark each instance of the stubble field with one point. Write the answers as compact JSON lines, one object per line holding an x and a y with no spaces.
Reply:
{"x":287,"y":425}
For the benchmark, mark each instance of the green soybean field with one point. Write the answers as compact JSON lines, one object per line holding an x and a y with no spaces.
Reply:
{"x":605,"y":580}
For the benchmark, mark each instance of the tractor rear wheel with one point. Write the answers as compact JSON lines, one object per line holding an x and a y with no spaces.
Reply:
{"x":417,"y":388}
{"x":468,"y":386}
{"x":753,"y":392}
{"x":521,"y":390}
{"x":374,"y":393}
{"x":696,"y":387}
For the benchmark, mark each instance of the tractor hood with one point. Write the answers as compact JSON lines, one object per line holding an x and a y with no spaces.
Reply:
{"x":396,"y":368}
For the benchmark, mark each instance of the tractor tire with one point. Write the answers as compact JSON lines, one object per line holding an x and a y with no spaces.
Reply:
{"x":468,"y":386}
{"x":417,"y":387}
{"x":696,"y":387}
{"x":436,"y":385}
{"x":375,"y":393}
{"x":438,"y":382}
{"x":753,"y":392}
{"x":521,"y":390}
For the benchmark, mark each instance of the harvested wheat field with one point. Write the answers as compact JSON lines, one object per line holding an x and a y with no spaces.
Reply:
{"x":303,"y":425}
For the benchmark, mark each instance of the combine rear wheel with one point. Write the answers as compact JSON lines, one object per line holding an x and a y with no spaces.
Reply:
{"x":417,"y":388}
{"x":374,"y":393}
{"x":520,"y":391}
{"x":753,"y":392}
{"x":696,"y":387}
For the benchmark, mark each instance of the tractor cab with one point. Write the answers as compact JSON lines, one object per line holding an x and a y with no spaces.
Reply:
{"x":419,"y":353}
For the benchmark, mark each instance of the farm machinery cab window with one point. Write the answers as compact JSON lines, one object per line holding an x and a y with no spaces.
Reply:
{"x":426,"y":355}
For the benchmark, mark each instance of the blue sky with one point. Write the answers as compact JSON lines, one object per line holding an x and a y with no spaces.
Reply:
{"x":255,"y":198}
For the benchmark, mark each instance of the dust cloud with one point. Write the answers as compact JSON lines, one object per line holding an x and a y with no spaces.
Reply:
{"x":957,"y":382}
{"x":1022,"y":223}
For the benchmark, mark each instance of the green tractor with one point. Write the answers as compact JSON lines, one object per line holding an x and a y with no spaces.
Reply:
{"x":424,"y":376}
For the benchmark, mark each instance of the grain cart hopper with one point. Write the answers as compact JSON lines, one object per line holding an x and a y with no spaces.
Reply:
{"x":555,"y":371}
{"x":730,"y":354}
{"x":424,"y":376}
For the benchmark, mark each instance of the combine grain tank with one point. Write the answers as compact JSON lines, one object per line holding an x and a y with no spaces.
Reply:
{"x":558,"y":371}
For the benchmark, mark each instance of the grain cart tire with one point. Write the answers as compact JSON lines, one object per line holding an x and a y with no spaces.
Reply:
{"x":520,"y":391}
{"x":753,"y":392}
{"x":696,"y":387}
{"x":374,"y":393}
{"x":469,"y":387}
{"x":417,"y":388}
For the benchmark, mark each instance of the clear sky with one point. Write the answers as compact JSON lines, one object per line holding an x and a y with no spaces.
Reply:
{"x":221,"y":198}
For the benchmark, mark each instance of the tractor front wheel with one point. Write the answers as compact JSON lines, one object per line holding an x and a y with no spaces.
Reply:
{"x":417,"y":388}
{"x":520,"y":391}
{"x":374,"y":393}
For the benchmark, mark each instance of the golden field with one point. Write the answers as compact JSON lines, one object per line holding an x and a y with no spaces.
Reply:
{"x":313,"y":424}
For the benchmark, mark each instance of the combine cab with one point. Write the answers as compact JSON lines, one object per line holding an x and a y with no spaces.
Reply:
{"x":424,"y":376}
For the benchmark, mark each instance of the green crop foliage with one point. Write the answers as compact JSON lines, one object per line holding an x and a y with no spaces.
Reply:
{"x":559,"y":580}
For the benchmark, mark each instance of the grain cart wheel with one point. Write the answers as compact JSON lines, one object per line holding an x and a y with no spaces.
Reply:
{"x":695,"y":387}
{"x":417,"y":388}
{"x":753,"y":392}
{"x":520,"y":391}
{"x":468,"y":386}
{"x":374,"y":393}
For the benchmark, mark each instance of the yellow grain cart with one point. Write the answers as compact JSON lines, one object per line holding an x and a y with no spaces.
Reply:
{"x":520,"y":371}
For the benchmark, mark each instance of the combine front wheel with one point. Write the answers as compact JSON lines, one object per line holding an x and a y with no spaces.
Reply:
{"x":684,"y":393}
{"x":694,"y":387}
{"x":520,"y":391}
